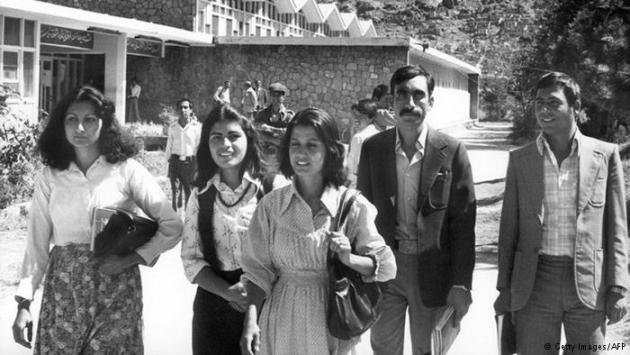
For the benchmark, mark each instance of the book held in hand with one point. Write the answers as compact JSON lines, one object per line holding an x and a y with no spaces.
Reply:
{"x":444,"y":332}
{"x":119,"y":232}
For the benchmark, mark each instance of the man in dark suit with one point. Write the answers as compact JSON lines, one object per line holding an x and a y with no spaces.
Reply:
{"x":421,"y":183}
{"x":563,"y":242}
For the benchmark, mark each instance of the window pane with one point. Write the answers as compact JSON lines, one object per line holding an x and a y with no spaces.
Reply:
{"x":10,"y":67}
{"x":29,"y":61}
{"x":12,"y":31}
{"x":29,"y":33}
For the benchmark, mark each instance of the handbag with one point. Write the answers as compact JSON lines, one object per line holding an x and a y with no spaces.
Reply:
{"x":123,"y":233}
{"x":351,"y":302}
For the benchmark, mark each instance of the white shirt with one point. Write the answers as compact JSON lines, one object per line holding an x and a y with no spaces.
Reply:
{"x":183,"y":141}
{"x":135,"y":91}
{"x":63,"y":203}
{"x":354,"y":153}
{"x":222,"y":94}
{"x":250,"y":100}
{"x":229,"y":226}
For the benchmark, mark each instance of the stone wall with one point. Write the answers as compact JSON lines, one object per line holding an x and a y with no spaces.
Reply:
{"x":175,"y":13}
{"x":329,"y":77}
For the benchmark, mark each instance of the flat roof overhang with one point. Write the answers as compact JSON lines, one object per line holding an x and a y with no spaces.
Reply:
{"x":64,"y":16}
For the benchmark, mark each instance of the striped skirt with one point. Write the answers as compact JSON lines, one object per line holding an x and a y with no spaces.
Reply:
{"x":86,"y":312}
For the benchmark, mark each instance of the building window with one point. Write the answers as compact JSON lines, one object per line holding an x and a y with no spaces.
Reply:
{"x":12,"y":31}
{"x":17,"y":55}
{"x":215,"y":25}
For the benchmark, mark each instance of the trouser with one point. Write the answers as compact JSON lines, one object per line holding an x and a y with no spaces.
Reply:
{"x":181,"y":174}
{"x":400,"y":294}
{"x":554,"y":302}
{"x":216,"y":326}
{"x":133,"y":112}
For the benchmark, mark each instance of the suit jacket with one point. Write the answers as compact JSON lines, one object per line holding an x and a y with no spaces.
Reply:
{"x":601,"y":242}
{"x":446,"y":208}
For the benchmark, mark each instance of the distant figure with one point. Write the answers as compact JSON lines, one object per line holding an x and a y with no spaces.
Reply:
{"x":563,"y":241}
{"x":133,"y":112}
{"x":276,"y":114}
{"x":364,"y":112}
{"x":262,"y":95}
{"x":385,"y":117}
{"x":250,"y":100}
{"x":222,"y":95}
{"x":621,"y":133}
{"x":181,"y":146}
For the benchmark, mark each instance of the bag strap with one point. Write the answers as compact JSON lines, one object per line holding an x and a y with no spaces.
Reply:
{"x":206,"y":208}
{"x":344,"y":207}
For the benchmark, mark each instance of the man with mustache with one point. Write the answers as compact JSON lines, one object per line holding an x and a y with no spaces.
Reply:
{"x":421,"y":183}
{"x":563,"y":241}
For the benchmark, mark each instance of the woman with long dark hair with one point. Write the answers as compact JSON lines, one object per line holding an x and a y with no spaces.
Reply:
{"x":217,"y":218}
{"x":285,"y":254}
{"x":89,"y":305}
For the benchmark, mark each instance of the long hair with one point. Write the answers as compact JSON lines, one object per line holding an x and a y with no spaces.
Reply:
{"x":327,"y":130}
{"x":114,"y":143}
{"x":206,"y":166}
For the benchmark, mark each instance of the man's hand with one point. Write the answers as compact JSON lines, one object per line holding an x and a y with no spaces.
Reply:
{"x":250,"y":339}
{"x":459,"y":299}
{"x":615,"y":307}
{"x":23,"y":321}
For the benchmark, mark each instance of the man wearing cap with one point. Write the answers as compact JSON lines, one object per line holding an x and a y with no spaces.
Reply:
{"x":276,"y":114}
{"x":250,"y":100}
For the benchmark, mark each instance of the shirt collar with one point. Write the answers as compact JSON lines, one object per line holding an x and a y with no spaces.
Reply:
{"x":221,"y":186}
{"x":329,"y":199}
{"x":73,"y":167}
{"x":421,"y":142}
{"x":542,"y":144}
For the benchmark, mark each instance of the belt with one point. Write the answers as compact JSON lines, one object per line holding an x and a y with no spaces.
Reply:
{"x":405,"y":246}
{"x":177,"y":157}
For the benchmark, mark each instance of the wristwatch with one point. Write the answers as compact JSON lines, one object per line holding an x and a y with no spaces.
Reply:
{"x":618,"y":289}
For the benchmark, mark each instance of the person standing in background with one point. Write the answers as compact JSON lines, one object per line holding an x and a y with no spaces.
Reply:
{"x":262,"y":95}
{"x":364,"y":112}
{"x":250,"y":100}
{"x":133,"y":111}
{"x":181,"y":146}
{"x":222,"y":95}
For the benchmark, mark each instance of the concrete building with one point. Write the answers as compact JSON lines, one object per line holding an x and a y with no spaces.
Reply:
{"x":187,"y":48}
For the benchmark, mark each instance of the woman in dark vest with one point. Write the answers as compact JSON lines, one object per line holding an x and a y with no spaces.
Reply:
{"x":217,"y":217}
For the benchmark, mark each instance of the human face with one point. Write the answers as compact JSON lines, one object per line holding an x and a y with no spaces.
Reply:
{"x":277,"y":98}
{"x":307,"y":152}
{"x":412,"y":102}
{"x":228,"y":144}
{"x":82,"y":126}
{"x":359,"y":121}
{"x":553,"y":112}
{"x":185,"y":109}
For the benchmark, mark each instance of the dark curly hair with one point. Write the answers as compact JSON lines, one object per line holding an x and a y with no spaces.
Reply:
{"x":206,"y":166}
{"x":115,"y":143}
{"x":327,"y":130}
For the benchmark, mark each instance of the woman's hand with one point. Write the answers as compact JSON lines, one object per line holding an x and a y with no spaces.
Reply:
{"x":236,"y":295}
{"x":250,"y":339}
{"x":115,"y":264}
{"x":23,"y":320}
{"x":340,"y":244}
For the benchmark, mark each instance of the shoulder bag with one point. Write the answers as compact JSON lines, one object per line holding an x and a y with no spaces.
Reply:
{"x":351,"y":302}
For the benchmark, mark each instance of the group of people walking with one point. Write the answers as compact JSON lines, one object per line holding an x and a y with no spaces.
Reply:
{"x":259,"y":255}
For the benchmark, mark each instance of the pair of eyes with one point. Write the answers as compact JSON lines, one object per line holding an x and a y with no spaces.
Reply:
{"x":417,"y":95}
{"x":554,"y":104}
{"x":87,"y":120}
{"x":309,"y":144}
{"x":232,"y":137}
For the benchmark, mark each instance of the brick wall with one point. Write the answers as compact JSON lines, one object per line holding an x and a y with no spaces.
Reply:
{"x":175,"y":13}
{"x":329,"y":77}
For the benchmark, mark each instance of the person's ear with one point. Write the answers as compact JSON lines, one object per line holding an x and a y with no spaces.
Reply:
{"x":431,"y":100}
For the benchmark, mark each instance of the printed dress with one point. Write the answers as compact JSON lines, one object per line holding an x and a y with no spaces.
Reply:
{"x":285,"y":255}
{"x":84,"y":311}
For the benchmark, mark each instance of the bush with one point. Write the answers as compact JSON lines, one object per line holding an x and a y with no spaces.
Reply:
{"x":18,"y":160}
{"x":145,"y":129}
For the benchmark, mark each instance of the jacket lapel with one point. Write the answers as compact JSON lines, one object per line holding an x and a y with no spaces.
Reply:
{"x":535,"y":181}
{"x":589,"y":164}
{"x":434,"y":154}
{"x":389,"y":164}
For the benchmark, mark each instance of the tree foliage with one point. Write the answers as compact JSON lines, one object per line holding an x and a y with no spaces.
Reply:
{"x":590,"y":41}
